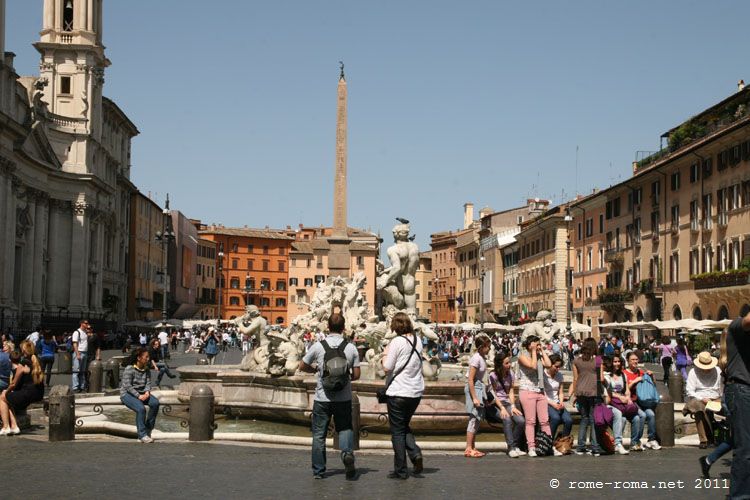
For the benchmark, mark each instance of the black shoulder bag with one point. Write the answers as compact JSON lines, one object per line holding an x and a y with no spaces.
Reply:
{"x":382,"y":398}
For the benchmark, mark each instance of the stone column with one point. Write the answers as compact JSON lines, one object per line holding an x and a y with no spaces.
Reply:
{"x":49,"y":15}
{"x":4,"y":221}
{"x":59,"y":246}
{"x":40,"y":244}
{"x":30,"y":273}
{"x":9,"y":240}
{"x":79,"y":269}
{"x":83,"y":15}
{"x":339,"y":255}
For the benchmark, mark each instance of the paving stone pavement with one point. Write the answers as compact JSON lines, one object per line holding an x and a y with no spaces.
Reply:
{"x":114,"y":468}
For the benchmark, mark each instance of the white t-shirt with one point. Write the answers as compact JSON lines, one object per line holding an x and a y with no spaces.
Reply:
{"x":410,"y":382}
{"x":163,"y":338}
{"x":552,"y":386}
{"x":83,"y":340}
{"x":33,"y":337}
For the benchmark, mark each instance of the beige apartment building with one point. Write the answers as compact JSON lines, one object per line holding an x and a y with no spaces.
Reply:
{"x":146,"y":259}
{"x":206,"y":279}
{"x":424,"y":286}
{"x":589,"y":256}
{"x":543,"y":259}
{"x":682,"y":221}
{"x":468,"y":278}
{"x":497,"y":230}
{"x":308,"y":264}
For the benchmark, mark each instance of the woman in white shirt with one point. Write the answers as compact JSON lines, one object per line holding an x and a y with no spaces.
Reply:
{"x":403,"y":363}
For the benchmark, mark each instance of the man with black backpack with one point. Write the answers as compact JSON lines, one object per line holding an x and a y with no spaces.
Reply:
{"x":337,"y":363}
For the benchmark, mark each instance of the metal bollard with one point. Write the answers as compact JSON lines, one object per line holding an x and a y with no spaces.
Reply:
{"x":111,"y":374}
{"x":675,"y":386}
{"x":62,"y":414}
{"x":64,"y":363}
{"x":665,"y":422}
{"x":201,"y":420}
{"x":355,"y":425}
{"x":201,"y":361}
{"x":96,"y":376}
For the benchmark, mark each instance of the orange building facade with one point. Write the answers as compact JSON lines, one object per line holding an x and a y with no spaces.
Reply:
{"x":253,"y":269}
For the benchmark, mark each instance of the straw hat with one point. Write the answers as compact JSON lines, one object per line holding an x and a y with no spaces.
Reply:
{"x":705,"y":361}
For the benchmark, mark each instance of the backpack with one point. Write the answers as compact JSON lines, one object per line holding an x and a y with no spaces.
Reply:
{"x":648,"y":396}
{"x":335,"y":367}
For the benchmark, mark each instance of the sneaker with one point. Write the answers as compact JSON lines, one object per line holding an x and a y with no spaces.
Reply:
{"x":532,"y":452}
{"x":418,"y":464}
{"x":5,"y":432}
{"x":513,"y":453}
{"x":348,"y":459}
{"x":581,"y":452}
{"x":636,"y":447}
{"x":556,"y":452}
{"x":596,"y":453}
{"x":394,"y":475}
{"x":620,"y":450}
{"x":705,"y":466}
{"x":146,"y":439}
{"x":318,"y":476}
{"x":653,"y":444}
{"x":14,"y":431}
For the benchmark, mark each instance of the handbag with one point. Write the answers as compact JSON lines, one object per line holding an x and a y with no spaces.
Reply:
{"x":543,"y":443}
{"x":381,"y":393}
{"x":603,"y":415}
{"x":607,"y":442}
{"x":628,"y":410}
{"x":648,"y":396}
{"x":564,"y":444}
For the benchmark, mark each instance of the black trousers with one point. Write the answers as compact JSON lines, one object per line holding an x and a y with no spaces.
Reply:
{"x":400,"y":411}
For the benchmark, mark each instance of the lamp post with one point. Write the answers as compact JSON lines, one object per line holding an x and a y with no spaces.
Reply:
{"x":247,"y":289}
{"x":163,"y":238}
{"x":568,"y":274}
{"x":221,"y":278}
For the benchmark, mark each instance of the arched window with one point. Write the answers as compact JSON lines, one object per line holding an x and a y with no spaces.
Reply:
{"x":234,"y":283}
{"x":234,"y":301}
{"x":279,"y":320}
{"x":723,"y":313}
{"x":745,"y":309}
{"x":697,"y":314}
{"x":677,"y":313}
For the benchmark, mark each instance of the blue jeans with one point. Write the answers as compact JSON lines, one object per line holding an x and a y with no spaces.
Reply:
{"x":618,"y":424}
{"x":557,"y":417}
{"x":400,"y":411}
{"x":163,"y":370}
{"x":737,"y":397}
{"x":646,"y":417}
{"x":341,"y":411}
{"x":513,"y":427}
{"x":143,"y":423}
{"x":79,"y":371}
{"x":585,"y":406}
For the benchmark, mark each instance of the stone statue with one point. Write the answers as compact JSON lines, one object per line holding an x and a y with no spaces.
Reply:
{"x":543,"y":327}
{"x":252,"y":324}
{"x":397,"y":282}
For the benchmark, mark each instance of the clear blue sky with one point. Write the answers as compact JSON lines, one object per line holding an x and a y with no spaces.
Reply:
{"x":481,"y":101}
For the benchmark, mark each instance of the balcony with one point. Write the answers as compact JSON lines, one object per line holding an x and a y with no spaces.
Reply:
{"x":614,"y":256}
{"x":695,"y":225}
{"x":675,"y":228}
{"x":720,"y":279}
{"x":645,"y":287}
{"x":655,"y":234}
{"x":707,"y":224}
{"x":613,"y":300}
{"x":722,"y":219}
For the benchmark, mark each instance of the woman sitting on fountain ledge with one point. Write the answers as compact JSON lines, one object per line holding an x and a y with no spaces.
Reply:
{"x":135,"y":393}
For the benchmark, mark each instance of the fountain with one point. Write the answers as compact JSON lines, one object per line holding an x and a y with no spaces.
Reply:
{"x":267,"y":384}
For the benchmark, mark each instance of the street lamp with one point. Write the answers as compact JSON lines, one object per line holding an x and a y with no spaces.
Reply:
{"x":163,"y":238}
{"x":568,"y":275}
{"x":221,"y":278}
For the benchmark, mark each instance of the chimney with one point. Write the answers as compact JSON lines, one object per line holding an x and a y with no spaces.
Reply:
{"x":468,"y":215}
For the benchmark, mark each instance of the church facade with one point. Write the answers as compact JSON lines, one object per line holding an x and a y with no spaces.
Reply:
{"x":65,"y":185}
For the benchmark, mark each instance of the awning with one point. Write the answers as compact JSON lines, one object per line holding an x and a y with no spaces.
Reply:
{"x":186,"y":311}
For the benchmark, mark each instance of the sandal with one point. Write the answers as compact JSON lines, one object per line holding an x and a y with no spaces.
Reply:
{"x":474,"y":453}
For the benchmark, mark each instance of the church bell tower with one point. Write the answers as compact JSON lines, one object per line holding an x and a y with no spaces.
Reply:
{"x":72,"y":64}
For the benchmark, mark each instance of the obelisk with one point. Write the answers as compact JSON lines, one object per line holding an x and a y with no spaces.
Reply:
{"x":339,"y":255}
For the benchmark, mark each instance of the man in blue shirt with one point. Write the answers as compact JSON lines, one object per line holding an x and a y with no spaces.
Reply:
{"x":336,"y":404}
